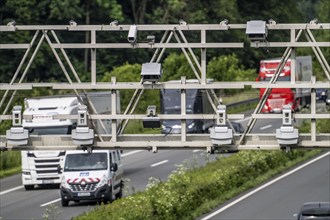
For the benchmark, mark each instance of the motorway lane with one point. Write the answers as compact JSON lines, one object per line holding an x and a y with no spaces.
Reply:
{"x":267,"y":126}
{"x":262,"y":125}
{"x":138,"y":168}
{"x":10,"y":182}
{"x":283,"y":198}
{"x":139,"y":171}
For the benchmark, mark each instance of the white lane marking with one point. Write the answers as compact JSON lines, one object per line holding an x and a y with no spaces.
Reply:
{"x":159,"y":163}
{"x":244,"y":119}
{"x":130,"y":153}
{"x":10,"y":190}
{"x":51,"y":202}
{"x":194,"y":151}
{"x":265,"y":127}
{"x":264,"y":186}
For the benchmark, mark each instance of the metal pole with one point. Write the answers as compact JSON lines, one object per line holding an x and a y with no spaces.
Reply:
{"x":183,"y":111}
{"x":93,"y":58}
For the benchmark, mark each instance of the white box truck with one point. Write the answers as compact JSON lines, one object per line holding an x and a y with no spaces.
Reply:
{"x":93,"y":175}
{"x":40,"y":167}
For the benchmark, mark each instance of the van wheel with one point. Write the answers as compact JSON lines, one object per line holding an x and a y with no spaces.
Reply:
{"x":29,"y":187}
{"x":108,"y":198}
{"x":64,"y":202}
{"x":120,"y":193}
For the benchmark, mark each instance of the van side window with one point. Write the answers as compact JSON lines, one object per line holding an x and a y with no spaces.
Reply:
{"x":118,"y":155}
{"x":110,"y":159}
{"x":114,"y":157}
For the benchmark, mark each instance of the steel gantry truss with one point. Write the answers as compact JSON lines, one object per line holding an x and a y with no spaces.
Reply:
{"x":173,"y":37}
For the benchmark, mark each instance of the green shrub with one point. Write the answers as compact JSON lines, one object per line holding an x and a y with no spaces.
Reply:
{"x":10,"y":163}
{"x":10,"y":159}
{"x":188,"y":193}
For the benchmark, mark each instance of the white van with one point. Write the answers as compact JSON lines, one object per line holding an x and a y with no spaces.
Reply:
{"x":94,"y":176}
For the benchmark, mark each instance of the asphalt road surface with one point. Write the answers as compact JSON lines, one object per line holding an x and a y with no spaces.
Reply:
{"x":282,"y":196}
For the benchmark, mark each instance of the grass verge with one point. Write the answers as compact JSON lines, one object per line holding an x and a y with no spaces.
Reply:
{"x":10,"y":163}
{"x":9,"y":172}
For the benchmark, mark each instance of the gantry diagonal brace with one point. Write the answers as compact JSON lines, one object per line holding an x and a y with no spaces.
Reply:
{"x":267,"y":92}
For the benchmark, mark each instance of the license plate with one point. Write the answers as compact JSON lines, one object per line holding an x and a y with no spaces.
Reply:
{"x":42,"y":118}
{"x":48,"y":181}
{"x":84,"y":194}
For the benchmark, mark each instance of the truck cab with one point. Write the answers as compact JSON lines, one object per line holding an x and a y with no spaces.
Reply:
{"x":96,"y":176}
{"x":278,"y":97}
{"x":40,"y":167}
{"x":196,"y":103}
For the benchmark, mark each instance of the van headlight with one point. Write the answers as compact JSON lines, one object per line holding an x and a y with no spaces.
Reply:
{"x":104,"y":181}
{"x":64,"y":184}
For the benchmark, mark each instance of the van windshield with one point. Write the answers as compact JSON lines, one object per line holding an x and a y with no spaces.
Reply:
{"x":86,"y":161}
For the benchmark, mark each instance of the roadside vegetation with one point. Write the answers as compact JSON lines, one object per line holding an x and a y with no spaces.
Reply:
{"x":10,"y":163}
{"x":190,"y":192}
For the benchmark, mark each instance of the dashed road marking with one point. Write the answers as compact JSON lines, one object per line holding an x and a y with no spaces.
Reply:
{"x":159,"y":163}
{"x":51,"y":202}
{"x":130,"y":153}
{"x":10,"y":190}
{"x":265,"y":127}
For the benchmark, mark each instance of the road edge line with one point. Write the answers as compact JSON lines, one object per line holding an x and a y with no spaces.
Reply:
{"x":10,"y":190}
{"x":264,"y":186}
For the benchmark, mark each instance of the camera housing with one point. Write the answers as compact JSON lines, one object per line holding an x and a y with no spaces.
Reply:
{"x":151,"y":121}
{"x":132,"y":34}
{"x":256,"y":30}
{"x":151,"y":72}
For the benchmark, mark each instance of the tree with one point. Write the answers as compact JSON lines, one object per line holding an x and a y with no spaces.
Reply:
{"x":54,"y":12}
{"x":175,"y":66}
{"x":227,"y":69}
{"x":132,"y":73}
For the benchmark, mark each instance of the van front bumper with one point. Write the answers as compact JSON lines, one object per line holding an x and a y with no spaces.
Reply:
{"x":101,"y":193}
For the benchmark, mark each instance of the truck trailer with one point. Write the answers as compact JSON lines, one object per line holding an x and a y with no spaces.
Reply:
{"x":297,"y":98}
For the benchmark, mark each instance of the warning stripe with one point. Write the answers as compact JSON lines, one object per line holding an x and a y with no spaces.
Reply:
{"x":79,"y":180}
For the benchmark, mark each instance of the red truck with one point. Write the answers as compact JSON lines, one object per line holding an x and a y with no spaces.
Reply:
{"x":279,"y":97}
